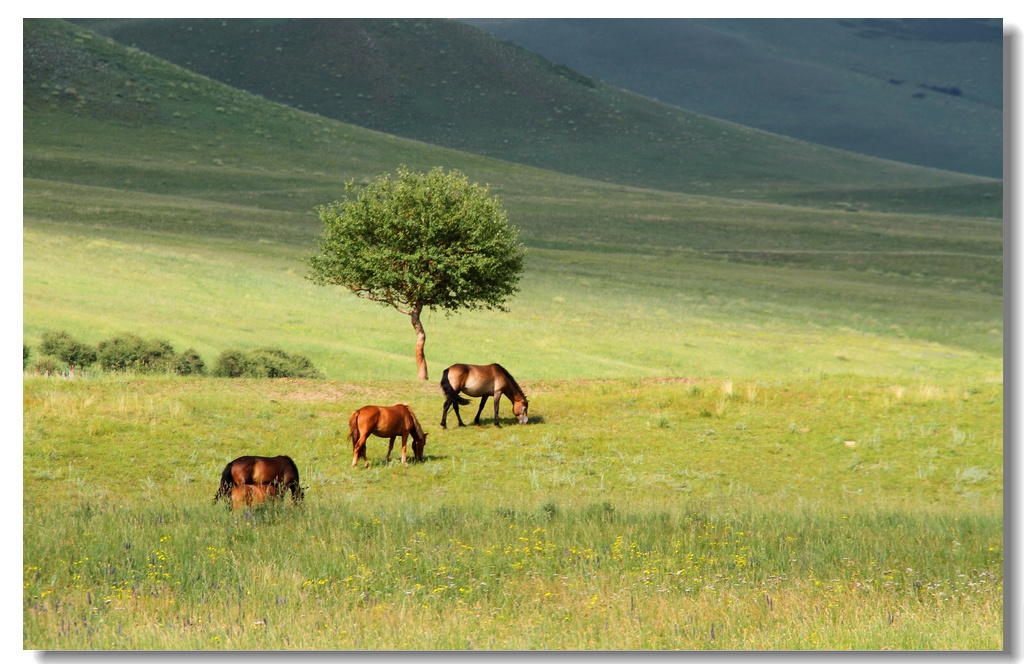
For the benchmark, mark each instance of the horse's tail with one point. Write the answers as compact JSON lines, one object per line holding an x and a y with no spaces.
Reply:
{"x":226,"y":482}
{"x":449,"y":392}
{"x":353,"y":426}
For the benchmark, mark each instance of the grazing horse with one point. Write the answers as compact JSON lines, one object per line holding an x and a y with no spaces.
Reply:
{"x":481,"y":381}
{"x":253,"y":494}
{"x":385,"y":422}
{"x":279,"y":471}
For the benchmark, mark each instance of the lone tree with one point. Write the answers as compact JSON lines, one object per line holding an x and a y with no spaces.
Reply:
{"x":421,"y":241}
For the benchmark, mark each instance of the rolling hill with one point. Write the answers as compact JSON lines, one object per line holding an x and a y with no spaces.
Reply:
{"x":449,"y":84}
{"x":924,"y":91}
{"x":160,"y":201}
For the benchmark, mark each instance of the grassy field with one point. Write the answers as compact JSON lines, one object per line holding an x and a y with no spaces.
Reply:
{"x":816,"y":513}
{"x":754,"y":425}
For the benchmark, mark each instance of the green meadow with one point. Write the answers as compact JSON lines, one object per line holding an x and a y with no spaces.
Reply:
{"x":814,"y":513}
{"x":753,"y":425}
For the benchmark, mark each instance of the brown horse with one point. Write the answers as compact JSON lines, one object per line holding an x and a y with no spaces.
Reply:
{"x":385,"y":422}
{"x":253,"y":494}
{"x":481,"y":381}
{"x":279,"y":471}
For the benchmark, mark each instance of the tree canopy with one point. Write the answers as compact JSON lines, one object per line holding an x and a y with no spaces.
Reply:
{"x":420,"y":241}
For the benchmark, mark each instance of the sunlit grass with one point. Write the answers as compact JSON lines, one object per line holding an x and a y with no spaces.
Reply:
{"x":569,"y":320}
{"x":324,"y":576}
{"x":629,"y":514}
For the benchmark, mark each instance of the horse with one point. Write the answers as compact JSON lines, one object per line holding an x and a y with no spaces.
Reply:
{"x":385,"y":422}
{"x":279,"y":471}
{"x":481,"y":381}
{"x":253,"y":494}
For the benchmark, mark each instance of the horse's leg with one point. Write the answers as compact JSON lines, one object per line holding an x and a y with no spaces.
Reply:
{"x":497,"y":398}
{"x":359,"y":449}
{"x":391,"y":444}
{"x":444,"y":414}
{"x":483,"y":400}
{"x":458,"y":415}
{"x":405,"y":461}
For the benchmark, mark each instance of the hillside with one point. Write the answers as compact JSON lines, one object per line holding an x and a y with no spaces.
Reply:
{"x":449,"y":84}
{"x":159,"y":201}
{"x":926,"y":92}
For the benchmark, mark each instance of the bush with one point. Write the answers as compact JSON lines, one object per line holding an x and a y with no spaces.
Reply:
{"x":267,"y":362}
{"x":231,"y":364}
{"x":62,"y":346}
{"x":279,"y":364}
{"x":130,"y":352}
{"x":47,"y":366}
{"x":189,"y":363}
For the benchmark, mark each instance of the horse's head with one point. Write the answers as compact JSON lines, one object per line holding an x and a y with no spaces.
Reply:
{"x":417,"y":447}
{"x":520,"y":408}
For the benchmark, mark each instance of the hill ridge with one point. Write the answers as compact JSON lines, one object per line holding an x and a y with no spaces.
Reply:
{"x":927,"y":92}
{"x":539,"y":113}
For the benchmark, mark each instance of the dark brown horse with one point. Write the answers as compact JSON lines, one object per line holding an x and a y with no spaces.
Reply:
{"x":279,"y":471}
{"x":385,"y":422}
{"x":253,"y":494}
{"x":481,"y":381}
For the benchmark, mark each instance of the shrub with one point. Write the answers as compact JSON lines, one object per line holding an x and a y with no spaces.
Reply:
{"x":47,"y":366}
{"x":279,"y":364}
{"x":62,"y":346}
{"x":266,"y":362}
{"x":189,"y":363}
{"x":130,"y":352}
{"x":231,"y":364}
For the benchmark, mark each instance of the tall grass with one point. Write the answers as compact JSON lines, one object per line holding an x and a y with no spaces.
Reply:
{"x":629,"y":514}
{"x":331,"y":575}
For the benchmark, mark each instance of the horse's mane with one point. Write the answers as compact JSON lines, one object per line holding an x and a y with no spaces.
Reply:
{"x":415,"y":420}
{"x":515,"y":386}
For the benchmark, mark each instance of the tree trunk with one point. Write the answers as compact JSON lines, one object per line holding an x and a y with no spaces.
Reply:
{"x":421,"y":339}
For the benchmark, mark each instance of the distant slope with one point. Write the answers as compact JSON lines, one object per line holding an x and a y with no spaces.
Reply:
{"x":449,"y":84}
{"x":925,"y":92}
{"x":160,"y":201}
